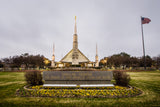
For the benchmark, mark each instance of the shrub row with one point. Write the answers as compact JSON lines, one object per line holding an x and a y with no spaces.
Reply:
{"x":121,"y":78}
{"x":33,"y":78}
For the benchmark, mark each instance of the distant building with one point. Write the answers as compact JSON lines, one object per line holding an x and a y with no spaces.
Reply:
{"x":75,"y":58}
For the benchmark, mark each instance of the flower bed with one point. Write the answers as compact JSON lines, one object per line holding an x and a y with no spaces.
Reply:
{"x":70,"y":92}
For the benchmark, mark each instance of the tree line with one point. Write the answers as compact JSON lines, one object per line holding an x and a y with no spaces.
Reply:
{"x":25,"y":61}
{"x":121,"y":60}
{"x":125,"y":60}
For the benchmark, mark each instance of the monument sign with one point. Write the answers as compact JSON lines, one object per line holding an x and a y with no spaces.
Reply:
{"x":78,"y":78}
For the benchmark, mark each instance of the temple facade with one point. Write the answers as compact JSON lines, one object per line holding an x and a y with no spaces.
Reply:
{"x":75,"y":58}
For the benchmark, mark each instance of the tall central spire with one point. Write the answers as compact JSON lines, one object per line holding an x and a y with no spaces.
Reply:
{"x":75,"y":46}
{"x":75,"y":37}
{"x":75,"y":27}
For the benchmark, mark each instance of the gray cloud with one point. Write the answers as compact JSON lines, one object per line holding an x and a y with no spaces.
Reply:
{"x":34,"y":25}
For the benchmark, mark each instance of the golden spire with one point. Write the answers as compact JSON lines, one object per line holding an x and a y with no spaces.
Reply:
{"x":75,"y":27}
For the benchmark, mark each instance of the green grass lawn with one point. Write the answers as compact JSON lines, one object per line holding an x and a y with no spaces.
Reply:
{"x":148,"y":82}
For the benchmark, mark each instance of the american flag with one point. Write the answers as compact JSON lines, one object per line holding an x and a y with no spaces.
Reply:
{"x":145,"y":20}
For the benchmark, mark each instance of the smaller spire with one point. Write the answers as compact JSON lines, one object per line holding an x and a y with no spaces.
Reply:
{"x":96,"y":50}
{"x":53,"y":49}
{"x":75,"y":27}
{"x":53,"y":57}
{"x":96,"y":57}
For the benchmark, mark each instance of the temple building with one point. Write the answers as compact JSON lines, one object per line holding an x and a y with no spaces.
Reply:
{"x":75,"y":58}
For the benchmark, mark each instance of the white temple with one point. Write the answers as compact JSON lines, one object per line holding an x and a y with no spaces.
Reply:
{"x":75,"y":58}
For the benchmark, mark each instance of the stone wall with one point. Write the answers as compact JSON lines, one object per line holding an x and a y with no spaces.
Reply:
{"x":77,"y":77}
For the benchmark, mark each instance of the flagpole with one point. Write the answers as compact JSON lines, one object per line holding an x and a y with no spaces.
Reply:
{"x":143,"y":45}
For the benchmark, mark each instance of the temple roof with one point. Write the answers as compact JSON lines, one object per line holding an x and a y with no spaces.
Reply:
{"x":81,"y":57}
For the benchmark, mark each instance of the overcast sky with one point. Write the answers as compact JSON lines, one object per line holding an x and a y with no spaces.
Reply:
{"x":32,"y":26}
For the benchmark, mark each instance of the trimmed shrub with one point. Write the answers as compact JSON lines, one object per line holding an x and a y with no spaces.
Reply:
{"x":121,"y":78}
{"x":33,"y":78}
